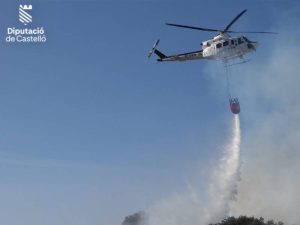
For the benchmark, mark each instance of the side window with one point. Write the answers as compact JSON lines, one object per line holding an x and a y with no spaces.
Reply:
{"x":225,"y":43}
{"x":219,"y":45}
{"x":232,"y":42}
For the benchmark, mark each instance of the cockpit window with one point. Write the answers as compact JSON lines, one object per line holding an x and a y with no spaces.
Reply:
{"x":225,"y":43}
{"x":240,"y":41}
{"x":219,"y":45}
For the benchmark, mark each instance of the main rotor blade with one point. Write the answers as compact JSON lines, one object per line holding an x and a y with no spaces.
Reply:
{"x":233,"y":21}
{"x":194,"y":28}
{"x":252,"y":32}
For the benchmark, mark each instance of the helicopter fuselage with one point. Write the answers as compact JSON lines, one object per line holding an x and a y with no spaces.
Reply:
{"x":223,"y":47}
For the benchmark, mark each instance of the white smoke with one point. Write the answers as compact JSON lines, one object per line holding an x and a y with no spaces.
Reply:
{"x":271,"y":180}
{"x":187,"y":208}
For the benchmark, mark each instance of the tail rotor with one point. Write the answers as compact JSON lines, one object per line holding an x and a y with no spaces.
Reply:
{"x":153,"y":48}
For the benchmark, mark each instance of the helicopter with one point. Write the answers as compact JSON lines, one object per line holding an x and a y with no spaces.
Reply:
{"x":221,"y":47}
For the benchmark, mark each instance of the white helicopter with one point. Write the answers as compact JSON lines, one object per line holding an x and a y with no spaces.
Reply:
{"x":221,"y":47}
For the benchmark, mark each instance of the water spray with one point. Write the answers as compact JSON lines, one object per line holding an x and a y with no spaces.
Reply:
{"x":224,"y":189}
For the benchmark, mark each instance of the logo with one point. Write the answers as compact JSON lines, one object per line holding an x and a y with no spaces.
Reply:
{"x":24,"y":16}
{"x":28,"y":34}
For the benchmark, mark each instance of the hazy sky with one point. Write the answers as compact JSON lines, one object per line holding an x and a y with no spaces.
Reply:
{"x":91,"y":130}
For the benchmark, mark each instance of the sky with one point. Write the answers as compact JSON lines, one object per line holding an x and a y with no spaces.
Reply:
{"x":92,"y":130}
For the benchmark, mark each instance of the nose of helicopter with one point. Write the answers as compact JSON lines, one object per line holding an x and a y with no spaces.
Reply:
{"x":252,"y":45}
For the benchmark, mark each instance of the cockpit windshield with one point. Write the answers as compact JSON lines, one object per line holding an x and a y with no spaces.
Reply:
{"x":246,"y":39}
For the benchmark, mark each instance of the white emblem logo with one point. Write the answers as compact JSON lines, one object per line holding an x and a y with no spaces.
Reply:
{"x":24,"y":16}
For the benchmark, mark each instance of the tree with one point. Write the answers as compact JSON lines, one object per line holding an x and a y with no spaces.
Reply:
{"x":244,"y":220}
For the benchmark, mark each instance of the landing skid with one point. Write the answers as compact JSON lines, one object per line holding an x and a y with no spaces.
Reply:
{"x":238,"y":63}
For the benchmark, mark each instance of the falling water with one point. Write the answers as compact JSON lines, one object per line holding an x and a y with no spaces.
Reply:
{"x":227,"y":175}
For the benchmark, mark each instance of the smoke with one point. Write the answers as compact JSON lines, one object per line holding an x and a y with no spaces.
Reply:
{"x":268,"y":87}
{"x":270,"y":184}
{"x":188,"y":208}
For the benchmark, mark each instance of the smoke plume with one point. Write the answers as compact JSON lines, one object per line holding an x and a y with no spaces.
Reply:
{"x":270,"y":184}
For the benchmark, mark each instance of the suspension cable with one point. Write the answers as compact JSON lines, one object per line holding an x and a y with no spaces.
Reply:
{"x":228,"y":82}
